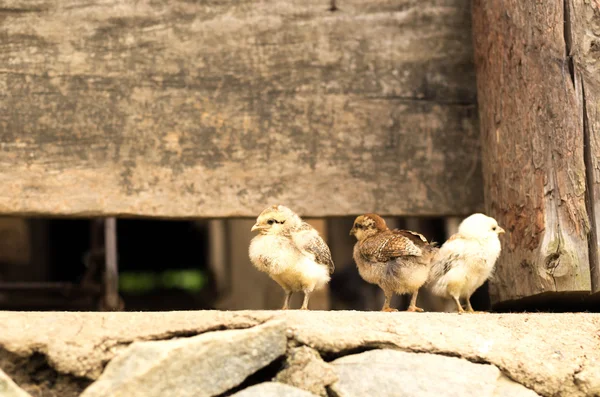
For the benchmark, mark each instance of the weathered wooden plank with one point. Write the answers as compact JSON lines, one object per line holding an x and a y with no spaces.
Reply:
{"x":532,"y":138}
{"x":584,"y":30}
{"x":192,"y":109}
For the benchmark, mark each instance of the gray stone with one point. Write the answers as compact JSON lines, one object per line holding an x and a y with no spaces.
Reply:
{"x":394,"y":373}
{"x":542,"y":351}
{"x":305,"y":369}
{"x":272,"y":389}
{"x":204,"y":365}
{"x":8,"y":388}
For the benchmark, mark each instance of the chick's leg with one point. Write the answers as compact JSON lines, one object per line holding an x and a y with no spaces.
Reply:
{"x":458,"y":305}
{"x":305,"y":302}
{"x":469,"y":307}
{"x":386,"y":303}
{"x":413,"y":303}
{"x":286,"y":301}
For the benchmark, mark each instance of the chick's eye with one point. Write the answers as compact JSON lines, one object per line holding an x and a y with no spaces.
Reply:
{"x":494,"y":228}
{"x":271,"y":221}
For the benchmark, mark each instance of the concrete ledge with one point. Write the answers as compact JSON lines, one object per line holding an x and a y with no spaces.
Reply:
{"x":551,"y":354}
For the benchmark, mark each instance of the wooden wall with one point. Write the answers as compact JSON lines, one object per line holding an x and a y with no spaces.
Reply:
{"x":538,"y":75}
{"x":216,"y":109}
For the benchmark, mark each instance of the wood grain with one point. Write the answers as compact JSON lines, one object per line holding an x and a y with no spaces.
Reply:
{"x":530,"y":109}
{"x":214,"y":109}
{"x":584,"y":26}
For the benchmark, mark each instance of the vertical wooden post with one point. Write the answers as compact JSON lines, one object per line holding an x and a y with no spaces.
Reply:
{"x":531,"y":112}
{"x":583,"y":21}
{"x":16,"y":251}
{"x":111,"y":274}
{"x":591,"y":130}
{"x":218,"y":255}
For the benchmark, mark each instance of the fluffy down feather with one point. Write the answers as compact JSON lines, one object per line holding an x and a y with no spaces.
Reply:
{"x":291,"y":252}
{"x":466,"y":260}
{"x":398,"y":261}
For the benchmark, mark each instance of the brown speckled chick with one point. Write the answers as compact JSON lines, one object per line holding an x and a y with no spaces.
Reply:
{"x":398,"y":261}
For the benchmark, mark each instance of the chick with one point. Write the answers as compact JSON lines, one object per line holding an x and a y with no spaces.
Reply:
{"x":466,"y":260}
{"x":398,"y":261}
{"x":291,"y":252}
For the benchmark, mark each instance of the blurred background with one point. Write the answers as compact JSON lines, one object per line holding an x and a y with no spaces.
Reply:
{"x":59,"y":264}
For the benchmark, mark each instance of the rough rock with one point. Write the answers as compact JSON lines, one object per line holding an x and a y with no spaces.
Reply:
{"x":8,"y":388}
{"x":391,"y":373}
{"x":81,"y":343}
{"x":272,"y":389}
{"x":305,"y":369}
{"x":553,"y":354}
{"x":204,"y":365}
{"x":542,"y":351}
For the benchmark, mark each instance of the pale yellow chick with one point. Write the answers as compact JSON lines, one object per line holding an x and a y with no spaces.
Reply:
{"x":291,"y":252}
{"x":466,"y":260}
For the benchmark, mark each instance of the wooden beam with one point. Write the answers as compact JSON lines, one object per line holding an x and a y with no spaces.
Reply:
{"x":195,"y":109}
{"x":584,"y":48}
{"x":533,"y":137}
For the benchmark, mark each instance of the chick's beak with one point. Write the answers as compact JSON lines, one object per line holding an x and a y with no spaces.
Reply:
{"x":352,"y":231}
{"x":500,"y":230}
{"x":255,"y":227}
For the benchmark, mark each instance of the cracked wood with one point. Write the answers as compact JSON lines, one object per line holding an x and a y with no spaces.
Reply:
{"x":537,"y":155}
{"x":195,"y":109}
{"x":584,"y":20}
